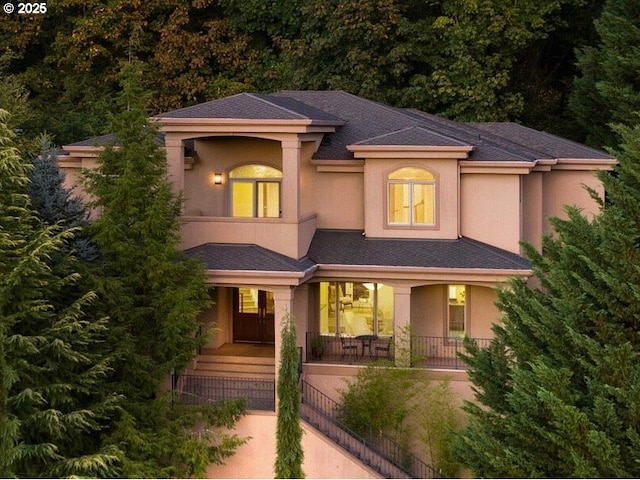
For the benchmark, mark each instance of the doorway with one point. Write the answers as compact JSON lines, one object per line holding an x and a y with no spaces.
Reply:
{"x":253,"y":316}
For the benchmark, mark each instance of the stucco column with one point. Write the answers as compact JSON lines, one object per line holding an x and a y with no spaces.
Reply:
{"x":301,"y":314}
{"x":283,"y":305}
{"x":402,"y":321}
{"x":175,"y":162}
{"x":291,"y":180}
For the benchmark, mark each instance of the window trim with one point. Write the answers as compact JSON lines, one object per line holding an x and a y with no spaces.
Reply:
{"x":255,"y":182}
{"x":411,"y":183}
{"x":447,"y":330}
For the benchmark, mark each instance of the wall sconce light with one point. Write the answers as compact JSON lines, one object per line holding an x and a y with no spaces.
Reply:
{"x":217,"y":179}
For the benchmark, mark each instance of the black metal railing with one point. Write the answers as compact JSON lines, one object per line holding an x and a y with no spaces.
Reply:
{"x":380,"y":453}
{"x":440,"y":352}
{"x":260,"y":393}
{"x":426,"y":352}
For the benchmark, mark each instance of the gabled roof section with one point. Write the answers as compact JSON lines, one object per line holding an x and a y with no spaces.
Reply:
{"x":351,"y":247}
{"x":251,"y":106}
{"x":415,"y":136}
{"x":246,"y":257}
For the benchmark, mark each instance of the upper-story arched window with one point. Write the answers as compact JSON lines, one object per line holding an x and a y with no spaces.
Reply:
{"x":255,"y":191}
{"x":411,"y":197}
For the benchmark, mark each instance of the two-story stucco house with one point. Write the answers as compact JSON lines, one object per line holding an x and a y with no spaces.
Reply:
{"x":358,"y":218}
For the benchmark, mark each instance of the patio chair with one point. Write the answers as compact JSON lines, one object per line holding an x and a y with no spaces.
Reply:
{"x":383,"y":346}
{"x":349,"y":347}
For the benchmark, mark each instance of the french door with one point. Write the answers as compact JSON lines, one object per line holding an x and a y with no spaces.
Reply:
{"x":253,"y":316}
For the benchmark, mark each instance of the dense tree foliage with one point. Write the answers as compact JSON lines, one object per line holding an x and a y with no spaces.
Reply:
{"x":55,"y":204}
{"x":481,"y":60}
{"x":557,"y":388}
{"x":69,"y":57}
{"x":608,"y":89}
{"x":52,"y":357}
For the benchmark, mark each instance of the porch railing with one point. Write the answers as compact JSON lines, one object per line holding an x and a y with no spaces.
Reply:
{"x":426,"y":352}
{"x":440,"y":352}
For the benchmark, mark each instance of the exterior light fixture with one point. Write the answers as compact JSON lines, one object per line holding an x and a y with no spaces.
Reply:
{"x":217,"y":179}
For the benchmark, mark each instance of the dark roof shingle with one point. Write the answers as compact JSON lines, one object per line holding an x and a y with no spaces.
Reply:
{"x":249,"y":257}
{"x":351,"y":247}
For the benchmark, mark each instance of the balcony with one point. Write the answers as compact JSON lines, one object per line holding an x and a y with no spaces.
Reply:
{"x":265,"y":232}
{"x":426,"y":352}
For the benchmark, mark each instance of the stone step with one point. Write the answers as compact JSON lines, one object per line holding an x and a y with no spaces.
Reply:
{"x":234,"y":366}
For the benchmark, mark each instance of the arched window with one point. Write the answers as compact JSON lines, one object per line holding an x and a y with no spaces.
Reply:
{"x":411,"y":196}
{"x":255,"y":191}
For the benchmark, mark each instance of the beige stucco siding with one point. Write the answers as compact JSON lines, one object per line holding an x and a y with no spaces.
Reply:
{"x":490,"y":209}
{"x":482,"y":311}
{"x":429,"y":311}
{"x":336,"y":198}
{"x":446,"y":204}
{"x":532,"y":211}
{"x":567,"y":187}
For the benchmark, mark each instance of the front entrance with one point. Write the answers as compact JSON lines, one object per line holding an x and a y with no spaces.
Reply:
{"x":253,"y":316}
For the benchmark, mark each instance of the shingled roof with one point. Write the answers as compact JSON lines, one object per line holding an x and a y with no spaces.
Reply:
{"x":359,"y":121}
{"x":351,"y":247}
{"x":255,"y":107}
{"x":246,"y":257}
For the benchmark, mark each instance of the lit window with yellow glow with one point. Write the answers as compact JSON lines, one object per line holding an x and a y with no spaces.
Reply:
{"x":411,"y":197}
{"x":456,"y":327}
{"x":255,"y":191}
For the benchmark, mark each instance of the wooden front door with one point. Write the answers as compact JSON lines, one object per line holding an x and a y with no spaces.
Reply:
{"x":253,"y":316}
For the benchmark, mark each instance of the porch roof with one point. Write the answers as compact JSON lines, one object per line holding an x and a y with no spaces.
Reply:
{"x":247,"y":257}
{"x":351,"y":247}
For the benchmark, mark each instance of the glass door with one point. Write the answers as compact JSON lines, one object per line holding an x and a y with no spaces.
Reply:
{"x":253,"y":316}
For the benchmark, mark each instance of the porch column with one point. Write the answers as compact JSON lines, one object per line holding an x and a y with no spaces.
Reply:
{"x":283,"y":304}
{"x":291,"y":180}
{"x":175,"y":161}
{"x":402,"y":322}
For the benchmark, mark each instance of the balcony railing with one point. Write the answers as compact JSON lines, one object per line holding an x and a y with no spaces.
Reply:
{"x":426,"y":352}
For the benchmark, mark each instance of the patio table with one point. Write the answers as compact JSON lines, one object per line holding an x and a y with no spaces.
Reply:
{"x":366,"y":342}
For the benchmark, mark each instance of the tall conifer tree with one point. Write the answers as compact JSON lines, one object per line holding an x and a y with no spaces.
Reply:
{"x":289,"y":454}
{"x":153,"y":293}
{"x":53,"y":406}
{"x":558,"y":389}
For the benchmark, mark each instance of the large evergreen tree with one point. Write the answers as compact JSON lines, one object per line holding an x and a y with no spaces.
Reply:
{"x":558,"y":390}
{"x":52,"y":405}
{"x":153,"y":293}
{"x":55,"y":204}
{"x":608,"y":89}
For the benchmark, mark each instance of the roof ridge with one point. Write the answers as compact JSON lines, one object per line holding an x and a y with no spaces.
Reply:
{"x":263,"y":98}
{"x":413,"y":127}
